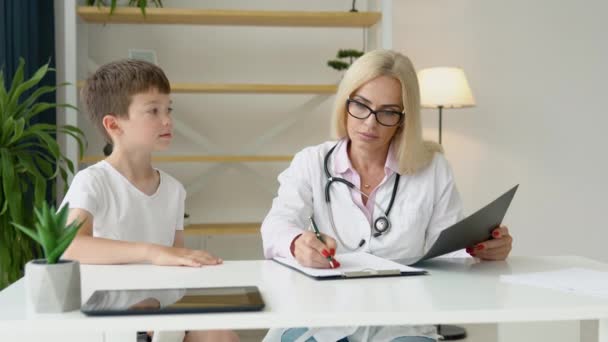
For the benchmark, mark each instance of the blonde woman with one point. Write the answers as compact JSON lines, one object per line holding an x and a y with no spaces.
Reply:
{"x":393,"y":195}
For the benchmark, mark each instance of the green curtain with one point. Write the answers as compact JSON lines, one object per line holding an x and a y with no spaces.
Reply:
{"x":27,"y":29}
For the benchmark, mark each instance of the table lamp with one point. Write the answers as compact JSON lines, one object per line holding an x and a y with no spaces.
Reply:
{"x":444,"y":87}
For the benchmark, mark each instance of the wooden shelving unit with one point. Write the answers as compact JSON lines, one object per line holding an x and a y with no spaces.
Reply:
{"x":248,"y":88}
{"x":186,"y":16}
{"x":204,"y":159}
{"x":245,"y":88}
{"x":222,"y":228}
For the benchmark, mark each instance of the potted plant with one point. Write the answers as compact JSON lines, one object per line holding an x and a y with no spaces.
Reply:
{"x":142,"y":4}
{"x":30,"y":158}
{"x":51,"y":284}
{"x":338,"y":64}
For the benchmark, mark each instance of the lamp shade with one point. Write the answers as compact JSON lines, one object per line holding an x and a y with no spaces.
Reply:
{"x":444,"y":86}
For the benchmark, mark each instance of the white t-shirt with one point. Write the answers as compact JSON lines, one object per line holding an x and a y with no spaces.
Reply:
{"x":122,"y":212}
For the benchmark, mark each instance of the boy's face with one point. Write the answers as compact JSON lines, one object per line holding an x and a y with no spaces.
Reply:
{"x":149,"y":126}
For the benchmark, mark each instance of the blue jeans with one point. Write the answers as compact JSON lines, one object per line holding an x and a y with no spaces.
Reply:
{"x":292,"y":334}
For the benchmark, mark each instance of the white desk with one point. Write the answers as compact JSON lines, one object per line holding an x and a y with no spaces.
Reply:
{"x":454,"y":292}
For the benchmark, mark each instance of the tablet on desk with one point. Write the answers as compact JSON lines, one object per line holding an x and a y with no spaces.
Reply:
{"x":172,"y":301}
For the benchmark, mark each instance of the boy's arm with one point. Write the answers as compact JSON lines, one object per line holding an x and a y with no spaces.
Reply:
{"x":93,"y":250}
{"x":178,"y":241}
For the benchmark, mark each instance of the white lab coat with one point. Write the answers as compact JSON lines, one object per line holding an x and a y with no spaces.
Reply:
{"x":426,"y":203}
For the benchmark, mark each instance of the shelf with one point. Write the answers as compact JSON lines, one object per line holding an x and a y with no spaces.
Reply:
{"x":208,"y":158}
{"x":248,"y":88}
{"x":133,"y":15}
{"x":222,"y":228}
{"x":254,"y":88}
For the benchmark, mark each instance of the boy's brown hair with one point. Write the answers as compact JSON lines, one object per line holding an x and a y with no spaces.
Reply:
{"x":110,"y":89}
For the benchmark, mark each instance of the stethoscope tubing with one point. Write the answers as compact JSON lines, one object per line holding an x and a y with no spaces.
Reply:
{"x":350,"y":185}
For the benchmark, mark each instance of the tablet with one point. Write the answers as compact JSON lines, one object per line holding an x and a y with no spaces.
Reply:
{"x":173,"y":301}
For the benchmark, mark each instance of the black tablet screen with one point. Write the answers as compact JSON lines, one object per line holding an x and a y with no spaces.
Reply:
{"x":161,"y":301}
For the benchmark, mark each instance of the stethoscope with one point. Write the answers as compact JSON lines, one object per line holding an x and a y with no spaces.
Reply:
{"x":380,"y":225}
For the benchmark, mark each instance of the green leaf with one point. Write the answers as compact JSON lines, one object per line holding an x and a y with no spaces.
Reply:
{"x":7,"y":129}
{"x":61,"y":218}
{"x":18,"y":126}
{"x":4,"y":207}
{"x":39,"y":190}
{"x":20,"y":87}
{"x":37,"y":109}
{"x":17,"y":79}
{"x":338,"y":65}
{"x":27,"y":231}
{"x":27,"y":103}
{"x":8,"y":179}
{"x":52,"y":145}
{"x":44,"y":228}
{"x":78,"y":135}
{"x":27,"y":161}
{"x":142,"y":6}
{"x":346,"y":53}
{"x":45,"y":167}
{"x":64,"y":242}
{"x":3,"y":97}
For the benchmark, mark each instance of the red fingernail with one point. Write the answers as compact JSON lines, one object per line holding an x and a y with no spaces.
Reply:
{"x":469,"y":249}
{"x":479,"y":247}
{"x":336,"y":263}
{"x":332,"y":251}
{"x":325,"y":253}
{"x":495,"y":233}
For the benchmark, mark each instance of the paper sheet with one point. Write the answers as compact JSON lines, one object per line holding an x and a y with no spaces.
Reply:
{"x":351,"y":262}
{"x":573,"y":280}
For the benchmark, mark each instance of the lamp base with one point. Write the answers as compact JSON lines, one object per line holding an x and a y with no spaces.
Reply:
{"x":451,"y":332}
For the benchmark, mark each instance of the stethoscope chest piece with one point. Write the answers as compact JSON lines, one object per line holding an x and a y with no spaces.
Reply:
{"x":381,"y":225}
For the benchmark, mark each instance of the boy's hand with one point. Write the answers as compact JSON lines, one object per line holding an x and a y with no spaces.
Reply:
{"x":173,"y":256}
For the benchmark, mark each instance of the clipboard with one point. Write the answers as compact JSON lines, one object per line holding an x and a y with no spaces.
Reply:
{"x":471,"y":230}
{"x":354,"y":265}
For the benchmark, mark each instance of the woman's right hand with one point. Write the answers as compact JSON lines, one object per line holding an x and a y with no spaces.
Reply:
{"x":311,"y":252}
{"x":174,"y":256}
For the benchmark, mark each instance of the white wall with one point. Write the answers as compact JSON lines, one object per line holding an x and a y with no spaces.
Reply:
{"x":538,"y":71}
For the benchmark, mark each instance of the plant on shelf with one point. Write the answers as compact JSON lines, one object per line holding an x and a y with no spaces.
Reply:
{"x":142,"y":4}
{"x":30,"y":159}
{"x":63,"y":276}
{"x":338,"y":64}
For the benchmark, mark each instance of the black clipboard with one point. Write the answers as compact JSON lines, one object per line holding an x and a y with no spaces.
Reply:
{"x":471,"y":230}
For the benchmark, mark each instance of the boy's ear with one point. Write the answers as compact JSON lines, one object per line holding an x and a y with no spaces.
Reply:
{"x":111,"y":125}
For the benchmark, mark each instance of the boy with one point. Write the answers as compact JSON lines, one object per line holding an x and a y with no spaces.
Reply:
{"x":132,"y":212}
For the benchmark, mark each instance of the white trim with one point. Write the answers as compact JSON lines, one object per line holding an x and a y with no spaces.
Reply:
{"x":66,"y":63}
{"x":387,"y":24}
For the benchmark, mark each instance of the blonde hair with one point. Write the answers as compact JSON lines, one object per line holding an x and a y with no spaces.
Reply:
{"x":413,"y":153}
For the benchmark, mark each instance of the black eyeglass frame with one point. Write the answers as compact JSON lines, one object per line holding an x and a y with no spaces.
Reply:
{"x":375,"y":112}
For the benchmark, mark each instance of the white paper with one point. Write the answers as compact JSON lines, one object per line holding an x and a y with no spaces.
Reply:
{"x":573,"y":280}
{"x":351,"y":262}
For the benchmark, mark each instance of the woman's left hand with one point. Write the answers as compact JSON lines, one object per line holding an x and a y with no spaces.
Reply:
{"x":497,"y":248}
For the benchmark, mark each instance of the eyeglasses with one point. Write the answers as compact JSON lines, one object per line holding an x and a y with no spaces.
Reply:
{"x":384,"y":117}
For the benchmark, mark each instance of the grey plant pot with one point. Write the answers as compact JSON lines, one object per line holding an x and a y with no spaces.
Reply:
{"x":52,"y":288}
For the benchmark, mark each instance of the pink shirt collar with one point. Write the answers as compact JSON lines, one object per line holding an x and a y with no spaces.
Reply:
{"x":342,"y":164}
